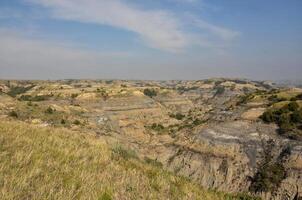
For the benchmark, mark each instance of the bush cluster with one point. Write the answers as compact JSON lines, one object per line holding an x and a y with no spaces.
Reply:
{"x":271,"y":171}
{"x":298,"y":97}
{"x":150,"y":92}
{"x":49,"y":110}
{"x":177,"y":116}
{"x":157,"y":127}
{"x":288,"y":118}
{"x":14,"y":91}
{"x":121,"y":152}
{"x":219,"y":90}
{"x":276,"y":99}
{"x":13,"y":114}
{"x":76,"y":122}
{"x":34,"y":98}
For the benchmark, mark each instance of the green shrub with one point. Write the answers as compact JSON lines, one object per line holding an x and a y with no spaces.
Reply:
{"x":244,"y":99}
{"x":153,"y":162}
{"x":288,"y":118}
{"x":273,"y":98}
{"x":25,"y":98}
{"x":284,"y":109}
{"x":293,"y":106}
{"x":13,"y":114}
{"x":35,"y":98}
{"x":177,"y":116}
{"x":150,"y":92}
{"x":299,"y":97}
{"x":268,"y":178}
{"x":284,"y":118}
{"x":219,"y":90}
{"x":296,"y":116}
{"x":73,"y":96}
{"x":124,"y":153}
{"x":14,"y":91}
{"x":105,"y":196}
{"x":109,"y":81}
{"x":49,"y":110}
{"x":76,"y":122}
{"x":268,"y":116}
{"x":157,"y":127}
{"x":197,"y":122}
{"x":183,"y":89}
{"x":271,"y":171}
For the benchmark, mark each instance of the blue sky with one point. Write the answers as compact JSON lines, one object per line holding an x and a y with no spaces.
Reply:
{"x":158,"y":39}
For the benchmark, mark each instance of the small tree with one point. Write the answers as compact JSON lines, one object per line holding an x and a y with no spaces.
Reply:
{"x":296,"y":116}
{"x":76,"y":122}
{"x":49,"y":110}
{"x":299,"y":97}
{"x":267,"y":116}
{"x":219,"y":90}
{"x":13,"y":114}
{"x":179,"y":116}
{"x":293,"y":106}
{"x":150,"y":92}
{"x":284,"y":118}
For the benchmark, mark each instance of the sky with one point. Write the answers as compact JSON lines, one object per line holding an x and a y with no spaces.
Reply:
{"x":158,"y":39}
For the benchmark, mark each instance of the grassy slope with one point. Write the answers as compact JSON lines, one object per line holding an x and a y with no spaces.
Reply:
{"x":49,"y":163}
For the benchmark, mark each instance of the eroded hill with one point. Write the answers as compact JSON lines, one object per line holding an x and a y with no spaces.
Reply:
{"x":213,"y":132}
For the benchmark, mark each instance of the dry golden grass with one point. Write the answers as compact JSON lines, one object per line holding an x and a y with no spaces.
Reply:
{"x":52,"y":163}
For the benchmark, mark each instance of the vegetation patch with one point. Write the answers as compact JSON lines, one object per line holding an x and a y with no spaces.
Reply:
{"x":119,"y":151}
{"x":183,"y":89}
{"x":219,"y":90}
{"x":50,"y":110}
{"x":105,"y":196}
{"x":288,"y":117}
{"x":150,"y":92}
{"x":298,"y":97}
{"x":271,"y":171}
{"x":54,"y":163}
{"x":153,"y":162}
{"x":34,"y":98}
{"x":177,"y":116}
{"x":13,"y":114}
{"x":16,"y":90}
{"x":77,"y":122}
{"x":159,"y":128}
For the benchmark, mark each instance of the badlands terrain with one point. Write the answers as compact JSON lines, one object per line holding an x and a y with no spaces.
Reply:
{"x":114,"y":139}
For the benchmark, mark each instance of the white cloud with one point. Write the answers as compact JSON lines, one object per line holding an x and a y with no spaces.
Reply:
{"x":159,"y":29}
{"x":222,"y":33}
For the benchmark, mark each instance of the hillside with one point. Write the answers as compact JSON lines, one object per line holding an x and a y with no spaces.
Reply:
{"x":52,"y":163}
{"x":227,"y":135}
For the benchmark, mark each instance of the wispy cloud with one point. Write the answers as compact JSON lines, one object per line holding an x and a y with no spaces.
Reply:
{"x":220,"y":32}
{"x":19,"y":51}
{"x":159,"y":29}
